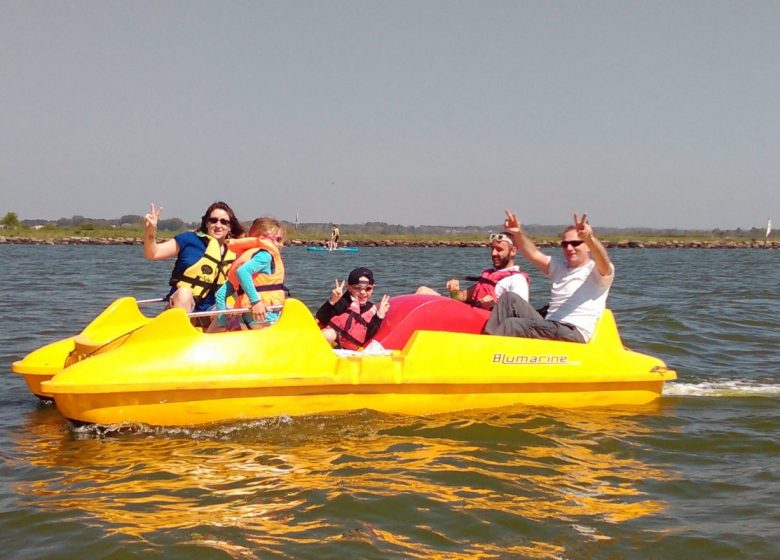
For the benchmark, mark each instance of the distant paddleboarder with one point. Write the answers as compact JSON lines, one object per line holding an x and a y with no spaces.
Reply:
{"x":333,"y":242}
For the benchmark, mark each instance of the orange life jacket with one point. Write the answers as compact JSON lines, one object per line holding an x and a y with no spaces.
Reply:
{"x":486,"y":284}
{"x":352,"y":326}
{"x":270,"y":287}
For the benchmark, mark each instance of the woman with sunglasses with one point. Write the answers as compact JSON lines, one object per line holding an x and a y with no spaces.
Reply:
{"x":202,"y":257}
{"x":581,"y":278}
{"x":350,"y":320}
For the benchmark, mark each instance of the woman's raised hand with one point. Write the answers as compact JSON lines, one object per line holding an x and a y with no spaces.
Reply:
{"x":152,"y":217}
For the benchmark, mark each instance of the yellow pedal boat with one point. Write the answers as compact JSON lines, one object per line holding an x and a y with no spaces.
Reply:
{"x":127,"y":368}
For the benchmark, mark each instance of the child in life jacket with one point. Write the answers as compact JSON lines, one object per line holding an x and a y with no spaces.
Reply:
{"x":256,"y":277}
{"x":349,"y":320}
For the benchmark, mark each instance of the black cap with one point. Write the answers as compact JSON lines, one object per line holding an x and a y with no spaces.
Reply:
{"x":358,"y":273}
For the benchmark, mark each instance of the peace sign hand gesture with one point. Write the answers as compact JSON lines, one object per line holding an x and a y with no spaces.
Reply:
{"x":511,"y":223}
{"x":583,"y":227}
{"x":383,"y":307}
{"x":152,"y":217}
{"x":337,"y":292}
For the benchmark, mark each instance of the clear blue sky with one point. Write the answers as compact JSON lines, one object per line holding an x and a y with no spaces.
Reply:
{"x":652,"y":113}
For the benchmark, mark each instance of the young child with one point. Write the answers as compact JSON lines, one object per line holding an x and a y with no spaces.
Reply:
{"x":257,"y":276}
{"x":349,"y":320}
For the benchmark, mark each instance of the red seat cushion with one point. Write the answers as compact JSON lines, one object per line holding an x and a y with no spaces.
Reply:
{"x":411,"y":313}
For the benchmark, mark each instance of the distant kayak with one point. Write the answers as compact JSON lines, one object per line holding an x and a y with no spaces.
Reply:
{"x":336,"y":250}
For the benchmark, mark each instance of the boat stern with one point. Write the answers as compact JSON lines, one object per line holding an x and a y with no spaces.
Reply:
{"x":42,"y":364}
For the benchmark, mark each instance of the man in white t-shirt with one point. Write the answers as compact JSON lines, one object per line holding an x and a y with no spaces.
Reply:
{"x":580,"y":284}
{"x":492,"y":283}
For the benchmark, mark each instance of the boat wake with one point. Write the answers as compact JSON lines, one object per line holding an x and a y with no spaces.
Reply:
{"x":734,"y":388}
{"x":217,"y":430}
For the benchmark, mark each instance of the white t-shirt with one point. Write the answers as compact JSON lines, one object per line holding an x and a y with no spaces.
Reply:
{"x":515,"y":283}
{"x":578,"y":296}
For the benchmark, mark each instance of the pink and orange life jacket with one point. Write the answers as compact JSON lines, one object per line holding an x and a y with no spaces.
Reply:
{"x":352,"y":326}
{"x":486,"y":284}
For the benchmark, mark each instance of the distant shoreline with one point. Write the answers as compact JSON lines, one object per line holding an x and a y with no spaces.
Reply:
{"x":622,"y":244}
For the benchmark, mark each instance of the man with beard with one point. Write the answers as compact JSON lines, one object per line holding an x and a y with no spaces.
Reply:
{"x":492,"y":283}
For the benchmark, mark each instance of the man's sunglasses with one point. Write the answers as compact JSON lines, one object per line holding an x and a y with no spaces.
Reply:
{"x":500,"y":237}
{"x":223,"y":221}
{"x":575,"y":243}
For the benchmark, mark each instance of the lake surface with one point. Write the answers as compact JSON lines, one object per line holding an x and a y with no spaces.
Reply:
{"x":693,"y":475}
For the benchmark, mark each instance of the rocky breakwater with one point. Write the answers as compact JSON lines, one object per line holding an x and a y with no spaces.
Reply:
{"x":71,"y":240}
{"x":623,"y":244}
{"x":692,"y":244}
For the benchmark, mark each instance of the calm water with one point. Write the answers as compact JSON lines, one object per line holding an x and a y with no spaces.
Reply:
{"x":694,"y":475}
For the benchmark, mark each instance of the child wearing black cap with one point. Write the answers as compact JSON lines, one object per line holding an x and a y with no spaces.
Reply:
{"x":349,"y":320}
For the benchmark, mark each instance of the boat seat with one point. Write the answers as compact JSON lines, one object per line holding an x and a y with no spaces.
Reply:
{"x":410,"y":313}
{"x":116,"y":321}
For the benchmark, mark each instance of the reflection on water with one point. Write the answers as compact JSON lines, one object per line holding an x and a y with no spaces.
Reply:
{"x":446,"y":481}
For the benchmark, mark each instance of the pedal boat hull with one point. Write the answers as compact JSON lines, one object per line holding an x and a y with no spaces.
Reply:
{"x":167,"y":373}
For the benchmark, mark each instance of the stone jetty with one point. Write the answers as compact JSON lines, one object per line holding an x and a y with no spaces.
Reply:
{"x":623,"y":244}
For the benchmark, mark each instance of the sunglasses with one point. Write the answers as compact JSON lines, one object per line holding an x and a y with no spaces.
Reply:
{"x":223,"y":221}
{"x":362,"y":288}
{"x":501,"y":237}
{"x":575,"y":243}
